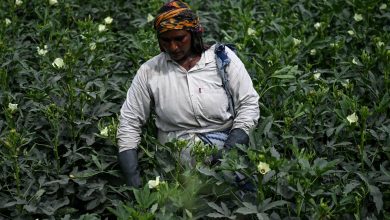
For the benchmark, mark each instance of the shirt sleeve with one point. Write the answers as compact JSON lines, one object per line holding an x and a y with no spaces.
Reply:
{"x":245,"y":97}
{"x":134,"y":112}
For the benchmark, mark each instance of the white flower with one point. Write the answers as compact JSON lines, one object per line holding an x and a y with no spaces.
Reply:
{"x":351,"y":32}
{"x":53,"y":2}
{"x":102,"y":27}
{"x":7,"y":22}
{"x":12,"y":107}
{"x":149,"y":18}
{"x":104,"y":132}
{"x":92,"y":46}
{"x":313,"y":52}
{"x":154,"y":183}
{"x":251,"y":32}
{"x":352,"y":118}
{"x":108,"y":20}
{"x":354,"y":61}
{"x":358,"y":17}
{"x":380,"y":44}
{"x":345,"y":84}
{"x":383,"y":6}
{"x":263,"y":168}
{"x":296,"y":41}
{"x":316,"y":75}
{"x":333,"y":44}
{"x":18,"y":2}
{"x":317,"y":25}
{"x":58,"y":63}
{"x":42,"y":52}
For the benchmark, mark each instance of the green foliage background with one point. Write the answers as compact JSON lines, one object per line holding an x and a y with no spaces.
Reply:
{"x":314,"y":64}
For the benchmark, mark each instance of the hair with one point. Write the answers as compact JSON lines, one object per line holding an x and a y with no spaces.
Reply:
{"x":197,"y":45}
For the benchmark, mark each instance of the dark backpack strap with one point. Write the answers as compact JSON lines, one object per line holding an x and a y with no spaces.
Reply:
{"x":223,"y":60}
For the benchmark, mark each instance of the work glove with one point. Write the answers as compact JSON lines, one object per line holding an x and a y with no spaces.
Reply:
{"x":236,"y":136}
{"x":128,"y":161}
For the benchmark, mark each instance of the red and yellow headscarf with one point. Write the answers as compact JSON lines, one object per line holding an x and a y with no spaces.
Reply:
{"x":176,"y":15}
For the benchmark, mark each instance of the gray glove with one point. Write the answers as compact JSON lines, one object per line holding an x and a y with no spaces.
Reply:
{"x":128,"y":161}
{"x":236,"y":136}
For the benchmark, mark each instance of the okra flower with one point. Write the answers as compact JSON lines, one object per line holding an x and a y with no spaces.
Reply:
{"x":102,"y":27}
{"x":263,"y":168}
{"x":53,"y":2}
{"x":92,"y":46}
{"x":317,"y":25}
{"x":12,"y":107}
{"x":42,"y":52}
{"x":383,"y":6}
{"x":354,"y":61}
{"x":251,"y":32}
{"x":108,"y":20}
{"x":149,"y":18}
{"x":345,"y":84}
{"x":58,"y":63}
{"x":317,"y":76}
{"x":18,"y":2}
{"x":313,"y":52}
{"x":296,"y":41}
{"x":104,"y":132}
{"x":7,"y":22}
{"x":358,"y":17}
{"x":353,"y":118}
{"x":154,"y":183}
{"x":351,"y":32}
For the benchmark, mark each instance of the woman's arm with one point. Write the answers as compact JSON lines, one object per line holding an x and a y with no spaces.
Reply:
{"x":134,"y":112}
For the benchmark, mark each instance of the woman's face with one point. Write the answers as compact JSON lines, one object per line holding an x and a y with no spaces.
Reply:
{"x":177,"y":43}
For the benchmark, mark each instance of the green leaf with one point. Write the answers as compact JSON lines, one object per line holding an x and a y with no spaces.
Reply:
{"x":248,"y":209}
{"x":377,"y":196}
{"x":283,"y":76}
{"x":215,"y":207}
{"x":351,"y":186}
{"x":215,"y":215}
{"x":144,"y":198}
{"x":262,"y":216}
{"x":272,"y":205}
{"x":97,"y":162}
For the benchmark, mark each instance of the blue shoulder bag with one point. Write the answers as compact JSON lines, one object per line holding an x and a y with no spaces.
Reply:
{"x":223,"y":61}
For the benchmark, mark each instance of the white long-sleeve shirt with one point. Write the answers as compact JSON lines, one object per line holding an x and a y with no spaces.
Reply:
{"x":186,"y":102}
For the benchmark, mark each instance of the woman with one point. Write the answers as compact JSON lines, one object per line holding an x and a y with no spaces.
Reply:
{"x":183,"y":86}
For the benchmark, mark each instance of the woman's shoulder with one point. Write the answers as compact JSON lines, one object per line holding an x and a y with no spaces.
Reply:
{"x":155,"y":60}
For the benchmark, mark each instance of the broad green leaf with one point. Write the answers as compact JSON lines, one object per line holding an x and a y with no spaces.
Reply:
{"x":215,"y":215}
{"x":350,"y":186}
{"x":377,"y":196}
{"x":248,"y":209}
{"x":262,"y":216}
{"x":272,"y":205}
{"x":215,"y":207}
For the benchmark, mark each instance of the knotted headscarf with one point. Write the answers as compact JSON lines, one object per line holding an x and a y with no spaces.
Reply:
{"x":176,"y":15}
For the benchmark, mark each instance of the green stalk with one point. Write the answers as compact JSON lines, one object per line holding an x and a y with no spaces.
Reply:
{"x":260,"y":192}
{"x":362,"y":142}
{"x":17,"y":173}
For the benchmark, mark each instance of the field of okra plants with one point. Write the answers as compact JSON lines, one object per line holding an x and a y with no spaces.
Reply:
{"x":321,"y":149}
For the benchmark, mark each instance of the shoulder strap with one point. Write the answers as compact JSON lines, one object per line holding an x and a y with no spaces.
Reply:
{"x":223,"y":60}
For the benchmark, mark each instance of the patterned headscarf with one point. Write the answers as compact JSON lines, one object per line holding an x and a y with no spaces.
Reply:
{"x":176,"y":15}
